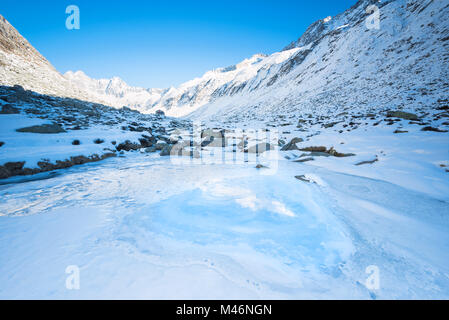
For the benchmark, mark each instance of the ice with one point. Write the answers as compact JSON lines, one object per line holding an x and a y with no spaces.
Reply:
{"x":151,"y":228}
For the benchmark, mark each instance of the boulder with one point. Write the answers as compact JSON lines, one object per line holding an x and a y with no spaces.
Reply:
{"x":292,"y":144}
{"x":43,"y":129}
{"x":260,"y":148}
{"x":432,"y":129}
{"x":128,"y":146}
{"x":402,"y":115}
{"x":166,"y":150}
{"x":314,"y":149}
{"x":14,"y":168}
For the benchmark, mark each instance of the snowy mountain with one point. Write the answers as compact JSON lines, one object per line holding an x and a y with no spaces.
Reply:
{"x":337,"y":63}
{"x":115,"y":91}
{"x":342,"y":64}
{"x":343,"y":193}
{"x":21,"y":64}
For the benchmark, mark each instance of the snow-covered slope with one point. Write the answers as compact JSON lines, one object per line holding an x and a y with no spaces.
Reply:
{"x":21,"y":64}
{"x":337,"y":63}
{"x":186,"y":98}
{"x":344,"y":65}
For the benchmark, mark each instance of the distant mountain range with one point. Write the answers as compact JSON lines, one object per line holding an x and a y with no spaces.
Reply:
{"x":337,"y":63}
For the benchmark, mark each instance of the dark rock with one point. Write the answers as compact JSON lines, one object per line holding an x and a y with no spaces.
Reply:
{"x":43,"y":129}
{"x":76,"y":142}
{"x":314,"y":149}
{"x":1,"y":143}
{"x":4,"y":173}
{"x":128,"y":145}
{"x":9,"y":109}
{"x":302,"y":178}
{"x":292,"y":144}
{"x":400,"y":131}
{"x":330,"y":125}
{"x":108,"y":155}
{"x":367,"y":162}
{"x":334,"y":153}
{"x":433,"y":129}
{"x":13,"y":168}
{"x":402,"y":115}
{"x":166,"y":150}
{"x":98,"y":141}
{"x":160,"y":113}
{"x":147,"y":141}
{"x":304,"y":160}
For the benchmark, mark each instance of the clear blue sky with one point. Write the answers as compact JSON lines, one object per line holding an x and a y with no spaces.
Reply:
{"x":162,"y":43}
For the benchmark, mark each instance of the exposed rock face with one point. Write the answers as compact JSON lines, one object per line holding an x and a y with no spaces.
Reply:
{"x":21,"y":64}
{"x":9,"y":109}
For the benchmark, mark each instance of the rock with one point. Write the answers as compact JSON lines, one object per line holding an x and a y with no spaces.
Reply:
{"x":214,"y":142}
{"x":127,"y":146}
{"x":76,"y":142}
{"x":261,"y":166}
{"x":330,"y":125}
{"x":260,"y":148}
{"x":160,"y":113}
{"x":213,"y":138}
{"x":45,"y":166}
{"x":316,"y":154}
{"x":402,"y":115}
{"x":166,"y":150}
{"x":314,"y":149}
{"x":334,"y":153}
{"x":304,"y":160}
{"x":98,"y":141}
{"x":43,"y":129}
{"x":400,"y":131}
{"x":108,"y":155}
{"x":292,"y":144}
{"x":4,"y":173}
{"x":302,"y":178}
{"x":9,"y":109}
{"x":433,"y":129}
{"x":150,"y":149}
{"x":367,"y":162}
{"x":212,"y":133}
{"x":160,"y":145}
{"x":14,"y":168}
{"x":2,"y":143}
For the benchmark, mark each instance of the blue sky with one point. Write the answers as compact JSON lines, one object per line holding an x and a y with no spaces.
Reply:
{"x":162,"y":43}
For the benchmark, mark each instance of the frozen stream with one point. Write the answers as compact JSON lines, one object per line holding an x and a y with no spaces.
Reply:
{"x":144,"y":227}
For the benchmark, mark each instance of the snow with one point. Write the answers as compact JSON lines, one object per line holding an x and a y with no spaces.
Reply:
{"x":32,"y":147}
{"x":149,"y":227}
{"x":228,"y":230}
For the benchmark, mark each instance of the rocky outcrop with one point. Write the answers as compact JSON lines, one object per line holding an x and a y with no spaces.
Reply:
{"x":11,"y":169}
{"x":43,"y":129}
